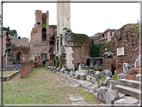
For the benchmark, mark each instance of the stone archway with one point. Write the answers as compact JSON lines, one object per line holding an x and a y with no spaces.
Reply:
{"x":44,"y":58}
{"x":88,"y":62}
{"x":18,"y":56}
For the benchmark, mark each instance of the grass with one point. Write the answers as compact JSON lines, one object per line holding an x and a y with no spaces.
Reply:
{"x":6,"y":73}
{"x":89,"y":97}
{"x":41,"y":87}
{"x":113,"y":76}
{"x":33,"y":89}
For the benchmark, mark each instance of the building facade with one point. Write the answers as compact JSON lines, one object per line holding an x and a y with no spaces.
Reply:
{"x":104,"y":37}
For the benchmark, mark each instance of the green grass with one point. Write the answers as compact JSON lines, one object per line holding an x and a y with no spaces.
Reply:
{"x":113,"y":76}
{"x":41,"y":87}
{"x":101,"y":79}
{"x":33,"y":89}
{"x":89,"y":97}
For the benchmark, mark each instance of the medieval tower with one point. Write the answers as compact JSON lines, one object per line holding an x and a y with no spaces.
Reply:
{"x":42,"y":38}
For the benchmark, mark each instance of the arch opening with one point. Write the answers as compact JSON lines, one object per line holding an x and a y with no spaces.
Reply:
{"x":43,"y":34}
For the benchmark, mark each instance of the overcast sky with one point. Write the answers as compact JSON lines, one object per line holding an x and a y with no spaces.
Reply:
{"x":86,"y":18}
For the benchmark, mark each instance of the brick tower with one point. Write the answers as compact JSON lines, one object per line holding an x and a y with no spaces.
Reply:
{"x":41,"y":37}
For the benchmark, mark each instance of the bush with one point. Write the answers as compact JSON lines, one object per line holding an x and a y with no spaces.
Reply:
{"x":96,"y":69}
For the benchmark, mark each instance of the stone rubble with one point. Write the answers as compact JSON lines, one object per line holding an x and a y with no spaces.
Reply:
{"x":88,"y":79}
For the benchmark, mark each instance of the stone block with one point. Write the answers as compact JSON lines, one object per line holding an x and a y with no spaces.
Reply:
{"x":133,"y":92}
{"x":121,"y":76}
{"x":130,"y":83}
{"x":127,"y":100}
{"x":108,"y":73}
{"x":121,"y":95}
{"x":111,"y":96}
{"x":101,"y":93}
{"x":138,"y":76}
{"x":82,"y":76}
{"x":135,"y":69}
{"x":112,"y":84}
{"x":126,"y":67}
{"x":88,"y":78}
{"x":106,"y":83}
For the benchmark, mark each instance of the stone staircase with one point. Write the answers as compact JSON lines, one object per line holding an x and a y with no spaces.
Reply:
{"x":129,"y":87}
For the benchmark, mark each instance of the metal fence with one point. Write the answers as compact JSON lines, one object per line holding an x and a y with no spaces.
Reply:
{"x":10,"y":67}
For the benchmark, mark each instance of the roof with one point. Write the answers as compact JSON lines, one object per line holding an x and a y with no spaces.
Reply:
{"x":109,"y":30}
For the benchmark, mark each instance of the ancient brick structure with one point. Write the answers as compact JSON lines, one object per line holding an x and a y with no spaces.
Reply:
{"x":25,"y":68}
{"x":127,"y":37}
{"x":80,"y":54}
{"x":41,"y":37}
{"x":17,"y":51}
{"x":110,"y":64}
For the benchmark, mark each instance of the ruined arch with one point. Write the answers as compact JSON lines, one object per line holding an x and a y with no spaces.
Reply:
{"x":18,"y":55}
{"x":43,"y":34}
{"x":88,"y":62}
{"x":44,"y":58}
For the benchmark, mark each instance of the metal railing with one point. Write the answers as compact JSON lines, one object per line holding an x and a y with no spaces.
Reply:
{"x":9,"y":67}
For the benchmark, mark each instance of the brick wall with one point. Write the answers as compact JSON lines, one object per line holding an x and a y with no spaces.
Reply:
{"x":109,"y":63}
{"x":127,"y":37}
{"x":80,"y":54}
{"x":25,"y":68}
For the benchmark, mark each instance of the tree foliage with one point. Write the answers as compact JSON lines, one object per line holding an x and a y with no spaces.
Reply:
{"x":11,"y":33}
{"x":95,"y":49}
{"x":52,"y":37}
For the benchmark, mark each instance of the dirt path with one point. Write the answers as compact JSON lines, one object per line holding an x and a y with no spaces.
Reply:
{"x":49,"y":87}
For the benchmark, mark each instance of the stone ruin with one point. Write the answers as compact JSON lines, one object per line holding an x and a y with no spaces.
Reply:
{"x":113,"y":93}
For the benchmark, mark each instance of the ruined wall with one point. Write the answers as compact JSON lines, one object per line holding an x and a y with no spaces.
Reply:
{"x":25,"y":68}
{"x":20,"y":42}
{"x":80,"y":54}
{"x":38,"y":46}
{"x":127,"y":37}
{"x":109,"y":46}
{"x":23,"y":50}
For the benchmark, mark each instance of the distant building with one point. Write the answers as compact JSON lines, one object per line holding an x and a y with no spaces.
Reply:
{"x":104,"y":37}
{"x":99,"y":37}
{"x":109,"y":35}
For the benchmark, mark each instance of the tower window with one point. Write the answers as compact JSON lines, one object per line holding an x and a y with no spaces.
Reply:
{"x":38,"y":23}
{"x":43,"y":34}
{"x":110,"y":33}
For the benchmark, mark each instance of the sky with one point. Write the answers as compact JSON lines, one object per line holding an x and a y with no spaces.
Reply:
{"x":86,"y":18}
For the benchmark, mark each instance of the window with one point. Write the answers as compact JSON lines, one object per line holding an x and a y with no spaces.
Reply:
{"x":106,"y":39}
{"x":106,"y":34}
{"x":38,"y":23}
{"x":103,"y":35}
{"x":112,"y":38}
{"x":110,"y":33}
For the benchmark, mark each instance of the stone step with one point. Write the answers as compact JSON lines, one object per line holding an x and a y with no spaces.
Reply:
{"x":133,"y":92}
{"x":130,"y":83}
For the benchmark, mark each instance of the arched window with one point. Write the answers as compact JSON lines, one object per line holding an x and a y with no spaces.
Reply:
{"x":43,"y":34}
{"x":18,"y":55}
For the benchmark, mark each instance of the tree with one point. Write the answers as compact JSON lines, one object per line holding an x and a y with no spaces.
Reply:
{"x":19,"y":37}
{"x":11,"y":33}
{"x":15,"y":33}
